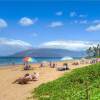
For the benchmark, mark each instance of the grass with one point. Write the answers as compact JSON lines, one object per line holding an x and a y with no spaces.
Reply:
{"x":80,"y":84}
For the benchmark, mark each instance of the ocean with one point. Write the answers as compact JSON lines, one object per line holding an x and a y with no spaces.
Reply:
{"x":18,"y":60}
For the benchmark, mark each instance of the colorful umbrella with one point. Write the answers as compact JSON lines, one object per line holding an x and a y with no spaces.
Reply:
{"x":29,"y":59}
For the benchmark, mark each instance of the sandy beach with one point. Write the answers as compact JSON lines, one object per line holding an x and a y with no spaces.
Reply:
{"x":9,"y":91}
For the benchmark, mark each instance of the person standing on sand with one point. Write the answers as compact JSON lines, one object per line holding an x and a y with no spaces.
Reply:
{"x":50,"y":64}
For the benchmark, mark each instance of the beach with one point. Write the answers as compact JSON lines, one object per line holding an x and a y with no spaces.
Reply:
{"x":9,"y":91}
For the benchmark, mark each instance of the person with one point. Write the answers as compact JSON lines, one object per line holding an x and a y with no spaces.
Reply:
{"x":35,"y":76}
{"x":65,"y":67}
{"x":27,"y":67}
{"x":50,"y":64}
{"x":41,"y":65}
{"x":21,"y":80}
{"x":75,"y":63}
{"x":54,"y":65}
{"x":27,"y":77}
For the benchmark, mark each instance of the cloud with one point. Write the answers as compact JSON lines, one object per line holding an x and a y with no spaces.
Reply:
{"x":83,"y":22}
{"x":3,"y":23}
{"x":69,"y":45}
{"x":60,"y":13}
{"x":72,"y":14}
{"x":11,"y":46}
{"x":56,"y":24}
{"x":25,"y":21}
{"x":80,"y":22}
{"x":93,"y":28}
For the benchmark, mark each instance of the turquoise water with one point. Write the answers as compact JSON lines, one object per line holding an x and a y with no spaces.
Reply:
{"x":14,"y":60}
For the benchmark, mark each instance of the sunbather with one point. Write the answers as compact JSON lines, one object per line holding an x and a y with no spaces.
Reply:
{"x":35,"y":76}
{"x":21,"y":80}
{"x":65,"y":67}
{"x":75,"y":63}
{"x":27,"y":77}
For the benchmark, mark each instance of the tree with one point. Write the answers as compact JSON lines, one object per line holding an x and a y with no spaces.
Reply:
{"x":94,"y":51}
{"x":90,"y":52}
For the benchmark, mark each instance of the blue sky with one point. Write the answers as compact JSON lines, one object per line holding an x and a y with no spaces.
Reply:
{"x":40,"y":22}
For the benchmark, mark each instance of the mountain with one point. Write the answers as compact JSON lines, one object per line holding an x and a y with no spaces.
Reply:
{"x":48,"y":52}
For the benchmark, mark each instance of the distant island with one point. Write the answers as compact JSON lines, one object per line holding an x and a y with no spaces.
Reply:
{"x":49,"y":52}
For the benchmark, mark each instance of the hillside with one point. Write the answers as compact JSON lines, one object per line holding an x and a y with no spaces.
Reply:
{"x":47,"y":52}
{"x":80,"y":84}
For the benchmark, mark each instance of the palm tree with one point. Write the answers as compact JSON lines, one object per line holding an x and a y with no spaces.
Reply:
{"x":94,"y":51}
{"x":90,"y":52}
{"x":98,"y":50}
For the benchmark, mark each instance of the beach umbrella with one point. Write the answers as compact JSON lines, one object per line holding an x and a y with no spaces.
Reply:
{"x":66,"y":58}
{"x":29,"y":59}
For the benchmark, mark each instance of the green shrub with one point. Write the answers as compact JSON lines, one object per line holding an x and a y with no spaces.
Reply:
{"x":79,"y":84}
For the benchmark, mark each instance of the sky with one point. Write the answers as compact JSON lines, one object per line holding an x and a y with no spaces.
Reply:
{"x":49,"y":23}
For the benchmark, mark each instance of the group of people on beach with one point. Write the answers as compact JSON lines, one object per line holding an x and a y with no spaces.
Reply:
{"x":51,"y":64}
{"x":27,"y":77}
{"x":54,"y":65}
{"x":35,"y":76}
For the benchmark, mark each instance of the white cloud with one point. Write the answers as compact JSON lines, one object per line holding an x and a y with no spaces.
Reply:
{"x":69,"y":45}
{"x":72,"y":14}
{"x":75,"y":14}
{"x":83,"y":22}
{"x":3,"y":23}
{"x":56,"y":24}
{"x":60,"y":13}
{"x":93,"y":28}
{"x":11,"y":46}
{"x":80,"y":22}
{"x":25,"y":21}
{"x":12,"y":42}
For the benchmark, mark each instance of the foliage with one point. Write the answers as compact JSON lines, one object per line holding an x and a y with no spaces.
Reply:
{"x":80,"y":84}
{"x":94,"y":51}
